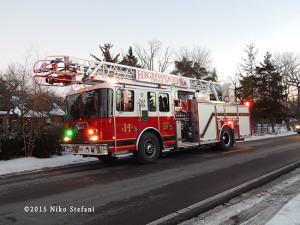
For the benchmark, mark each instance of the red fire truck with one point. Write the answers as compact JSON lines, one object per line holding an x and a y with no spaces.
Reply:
{"x":122,"y":110}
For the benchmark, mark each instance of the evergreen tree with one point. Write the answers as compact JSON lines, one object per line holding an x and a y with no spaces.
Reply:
{"x":213,"y":76}
{"x":129,"y":59}
{"x":184,"y":67}
{"x":199,"y":72}
{"x":269,"y":104}
{"x":192,"y":69}
{"x":246,"y":90}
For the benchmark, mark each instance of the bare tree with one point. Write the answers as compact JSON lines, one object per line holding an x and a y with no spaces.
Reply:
{"x":24,"y":77}
{"x":152,"y":56}
{"x":200,"y":55}
{"x":165,"y":59}
{"x":31,"y":107}
{"x":203,"y":56}
{"x":183,"y":52}
{"x":288,"y":63}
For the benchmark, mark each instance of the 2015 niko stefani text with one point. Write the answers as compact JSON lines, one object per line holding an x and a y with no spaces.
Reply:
{"x":59,"y":209}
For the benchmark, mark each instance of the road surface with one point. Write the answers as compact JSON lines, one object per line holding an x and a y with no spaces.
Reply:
{"x":126,"y":193}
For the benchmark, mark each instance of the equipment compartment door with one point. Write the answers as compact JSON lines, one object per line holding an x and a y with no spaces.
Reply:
{"x":207,"y":122}
{"x":244,"y":121}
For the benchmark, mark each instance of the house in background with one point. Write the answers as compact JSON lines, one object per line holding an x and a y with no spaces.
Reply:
{"x":54,"y":114}
{"x":10,"y":118}
{"x":57,"y":115}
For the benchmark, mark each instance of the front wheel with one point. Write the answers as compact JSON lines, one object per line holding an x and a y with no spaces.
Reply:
{"x":226,"y":139}
{"x":148,"y":149}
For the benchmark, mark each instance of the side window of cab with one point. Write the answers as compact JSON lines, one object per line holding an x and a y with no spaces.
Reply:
{"x":125,"y":100}
{"x":163,"y":99}
{"x":151,"y":98}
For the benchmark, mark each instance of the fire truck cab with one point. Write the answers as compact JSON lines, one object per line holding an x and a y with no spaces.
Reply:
{"x":131,"y":110}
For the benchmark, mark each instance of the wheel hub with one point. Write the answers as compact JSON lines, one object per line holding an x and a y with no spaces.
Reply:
{"x":226,"y":138}
{"x":149,"y":148}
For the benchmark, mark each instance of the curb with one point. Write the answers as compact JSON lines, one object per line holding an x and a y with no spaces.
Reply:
{"x":207,"y":204}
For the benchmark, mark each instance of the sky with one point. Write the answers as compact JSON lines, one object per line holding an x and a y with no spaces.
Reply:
{"x":77,"y":28}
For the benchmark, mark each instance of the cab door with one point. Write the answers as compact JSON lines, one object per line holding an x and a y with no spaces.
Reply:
{"x":126,"y":119}
{"x":147,"y":109}
{"x":166,"y":117}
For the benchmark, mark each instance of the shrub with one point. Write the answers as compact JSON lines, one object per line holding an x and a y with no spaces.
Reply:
{"x":11,"y":145}
{"x":47,"y":143}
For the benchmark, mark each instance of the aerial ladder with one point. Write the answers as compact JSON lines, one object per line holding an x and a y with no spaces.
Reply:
{"x":68,"y":70}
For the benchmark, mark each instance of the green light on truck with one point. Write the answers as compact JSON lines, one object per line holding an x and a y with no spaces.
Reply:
{"x":69,"y":133}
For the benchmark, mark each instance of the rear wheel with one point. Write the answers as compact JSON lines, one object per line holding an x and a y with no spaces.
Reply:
{"x":148,"y":149}
{"x":226,"y":139}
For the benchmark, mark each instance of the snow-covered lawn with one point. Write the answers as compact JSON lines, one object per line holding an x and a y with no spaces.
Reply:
{"x":258,"y":137}
{"x":29,"y":164}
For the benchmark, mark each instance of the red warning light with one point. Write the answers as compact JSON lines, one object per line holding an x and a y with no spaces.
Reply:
{"x":247,"y":104}
{"x":92,"y":131}
{"x":228,"y":122}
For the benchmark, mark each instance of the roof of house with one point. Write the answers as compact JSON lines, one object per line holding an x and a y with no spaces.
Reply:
{"x":56,"y":111}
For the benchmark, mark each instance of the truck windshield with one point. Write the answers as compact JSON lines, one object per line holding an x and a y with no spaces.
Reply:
{"x":88,"y":105}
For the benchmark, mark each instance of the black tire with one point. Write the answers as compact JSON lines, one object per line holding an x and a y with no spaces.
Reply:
{"x":148,"y":149}
{"x":226,"y":139}
{"x":298,"y":132}
{"x":107,"y":158}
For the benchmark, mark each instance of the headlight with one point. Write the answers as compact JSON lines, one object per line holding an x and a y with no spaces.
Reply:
{"x":66,"y":139}
{"x":298,"y":126}
{"x":94,"y":138}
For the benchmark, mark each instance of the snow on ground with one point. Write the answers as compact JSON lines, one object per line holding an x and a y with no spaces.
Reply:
{"x":277,"y":203}
{"x":258,"y":137}
{"x":32,"y":163}
{"x":289,"y":214}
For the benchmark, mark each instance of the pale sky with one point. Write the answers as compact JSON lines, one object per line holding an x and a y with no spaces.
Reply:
{"x":76,"y":28}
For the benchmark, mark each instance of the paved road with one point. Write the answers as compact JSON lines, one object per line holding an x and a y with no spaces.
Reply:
{"x":127,"y":193}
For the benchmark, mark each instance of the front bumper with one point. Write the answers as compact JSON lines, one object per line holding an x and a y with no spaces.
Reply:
{"x":85,"y":149}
